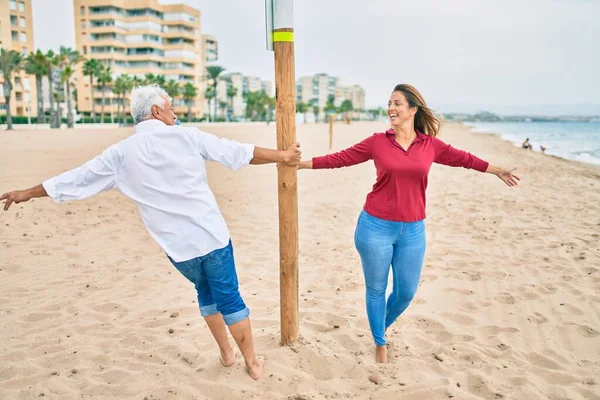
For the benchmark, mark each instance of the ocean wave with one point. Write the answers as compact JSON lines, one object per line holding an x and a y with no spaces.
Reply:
{"x":569,"y":140}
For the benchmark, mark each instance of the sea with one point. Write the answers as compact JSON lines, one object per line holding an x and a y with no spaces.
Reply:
{"x":575,"y":140}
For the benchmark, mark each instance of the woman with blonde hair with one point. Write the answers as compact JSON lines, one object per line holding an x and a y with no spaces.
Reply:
{"x":391,"y":228}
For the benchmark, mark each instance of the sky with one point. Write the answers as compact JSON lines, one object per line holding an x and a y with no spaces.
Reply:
{"x":509,"y":57}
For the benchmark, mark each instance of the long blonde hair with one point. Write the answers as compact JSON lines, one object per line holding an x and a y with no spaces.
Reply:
{"x":425,"y":120}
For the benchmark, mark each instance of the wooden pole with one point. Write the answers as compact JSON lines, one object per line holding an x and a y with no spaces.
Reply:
{"x":285,"y":85}
{"x":330,"y":132}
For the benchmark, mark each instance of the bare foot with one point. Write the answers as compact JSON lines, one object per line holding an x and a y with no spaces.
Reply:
{"x":255,"y":368}
{"x":381,"y":355}
{"x":228,"y":359}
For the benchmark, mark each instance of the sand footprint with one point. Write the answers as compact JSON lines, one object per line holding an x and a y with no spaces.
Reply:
{"x":542,"y":361}
{"x":537,"y":318}
{"x":37,"y":317}
{"x":464,"y":292}
{"x":505,"y":298}
{"x":460,"y":319}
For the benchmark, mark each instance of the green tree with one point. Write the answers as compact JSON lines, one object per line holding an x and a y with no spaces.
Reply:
{"x":302,"y":108}
{"x":10,"y":61}
{"x":68,"y":59}
{"x":53,"y":61}
{"x":92,"y":68}
{"x":316,"y":110}
{"x":259,"y":106}
{"x":189,"y":95}
{"x":104,"y":79}
{"x":122,"y":85}
{"x":345,"y":108}
{"x":37,"y":64}
{"x":330,"y":104}
{"x":172,"y":88}
{"x":151,"y":79}
{"x":212,"y":73}
{"x":231,"y":93}
{"x":209,"y":94}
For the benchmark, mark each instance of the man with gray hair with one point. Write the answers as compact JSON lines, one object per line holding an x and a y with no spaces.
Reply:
{"x":161,"y":167}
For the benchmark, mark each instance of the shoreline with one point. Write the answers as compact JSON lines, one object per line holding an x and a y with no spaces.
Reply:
{"x":499,"y":135}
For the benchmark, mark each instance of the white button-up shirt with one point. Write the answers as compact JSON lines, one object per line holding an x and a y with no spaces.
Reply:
{"x":162,"y":169}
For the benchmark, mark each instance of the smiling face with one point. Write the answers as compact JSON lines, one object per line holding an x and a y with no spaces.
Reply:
{"x":399,"y":110}
{"x":165,"y":114}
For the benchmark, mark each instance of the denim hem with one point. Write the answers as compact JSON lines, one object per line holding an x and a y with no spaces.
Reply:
{"x":236,"y":317}
{"x":207,"y":311}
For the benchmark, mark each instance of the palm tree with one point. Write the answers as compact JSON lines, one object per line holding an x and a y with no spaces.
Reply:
{"x":92,"y":69}
{"x":330,"y":104}
{"x":209,"y":94}
{"x":160,"y":81}
{"x":68,"y":59}
{"x":119,"y":88}
{"x":189,"y":95}
{"x":150,"y":79}
{"x":269,"y":105}
{"x":302,"y":108}
{"x":131,"y":83}
{"x":259,"y":106}
{"x":172,"y":88}
{"x":231,"y":93}
{"x":346,"y":107}
{"x":213,"y":73}
{"x":52,"y":63}
{"x":104,"y":78}
{"x":10,"y":61}
{"x":223,"y":107}
{"x":37,"y":64}
{"x":316,"y":110}
{"x":65,"y":78}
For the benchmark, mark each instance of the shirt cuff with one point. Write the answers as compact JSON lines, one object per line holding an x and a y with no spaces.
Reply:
{"x":319,"y":162}
{"x":480,"y":165}
{"x":50,"y":188}
{"x":249,"y":149}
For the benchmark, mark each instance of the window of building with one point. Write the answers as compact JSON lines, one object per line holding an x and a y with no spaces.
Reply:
{"x":12,"y":4}
{"x":13,"y":20}
{"x":22,"y":22}
{"x":24,"y":51}
{"x":15,"y":36}
{"x":19,"y":96}
{"x":83,"y":25}
{"x":84,"y":50}
{"x":82,"y":10}
{"x":21,"y":6}
{"x":23,"y":37}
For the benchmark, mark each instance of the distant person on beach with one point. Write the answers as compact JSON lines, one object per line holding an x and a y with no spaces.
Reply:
{"x":543,"y":149}
{"x":162,"y":168}
{"x":527,"y":145}
{"x":391,"y":228}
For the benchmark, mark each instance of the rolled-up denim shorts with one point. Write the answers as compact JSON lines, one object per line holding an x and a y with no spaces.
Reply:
{"x":216,"y":282}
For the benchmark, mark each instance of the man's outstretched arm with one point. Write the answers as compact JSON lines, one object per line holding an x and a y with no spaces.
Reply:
{"x":21,"y":196}
{"x":92,"y":177}
{"x":235,"y":155}
{"x":290,"y":156}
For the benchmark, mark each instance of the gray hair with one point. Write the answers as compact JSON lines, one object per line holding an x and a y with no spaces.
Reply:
{"x":143,"y":98}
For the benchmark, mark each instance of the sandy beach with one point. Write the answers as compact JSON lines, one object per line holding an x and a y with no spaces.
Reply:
{"x":508,"y":306}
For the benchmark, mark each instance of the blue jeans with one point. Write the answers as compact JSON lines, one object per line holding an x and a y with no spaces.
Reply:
{"x":380,"y":244}
{"x":216,"y":283}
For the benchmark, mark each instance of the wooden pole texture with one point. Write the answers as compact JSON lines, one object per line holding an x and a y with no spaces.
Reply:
{"x":285,"y":88}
